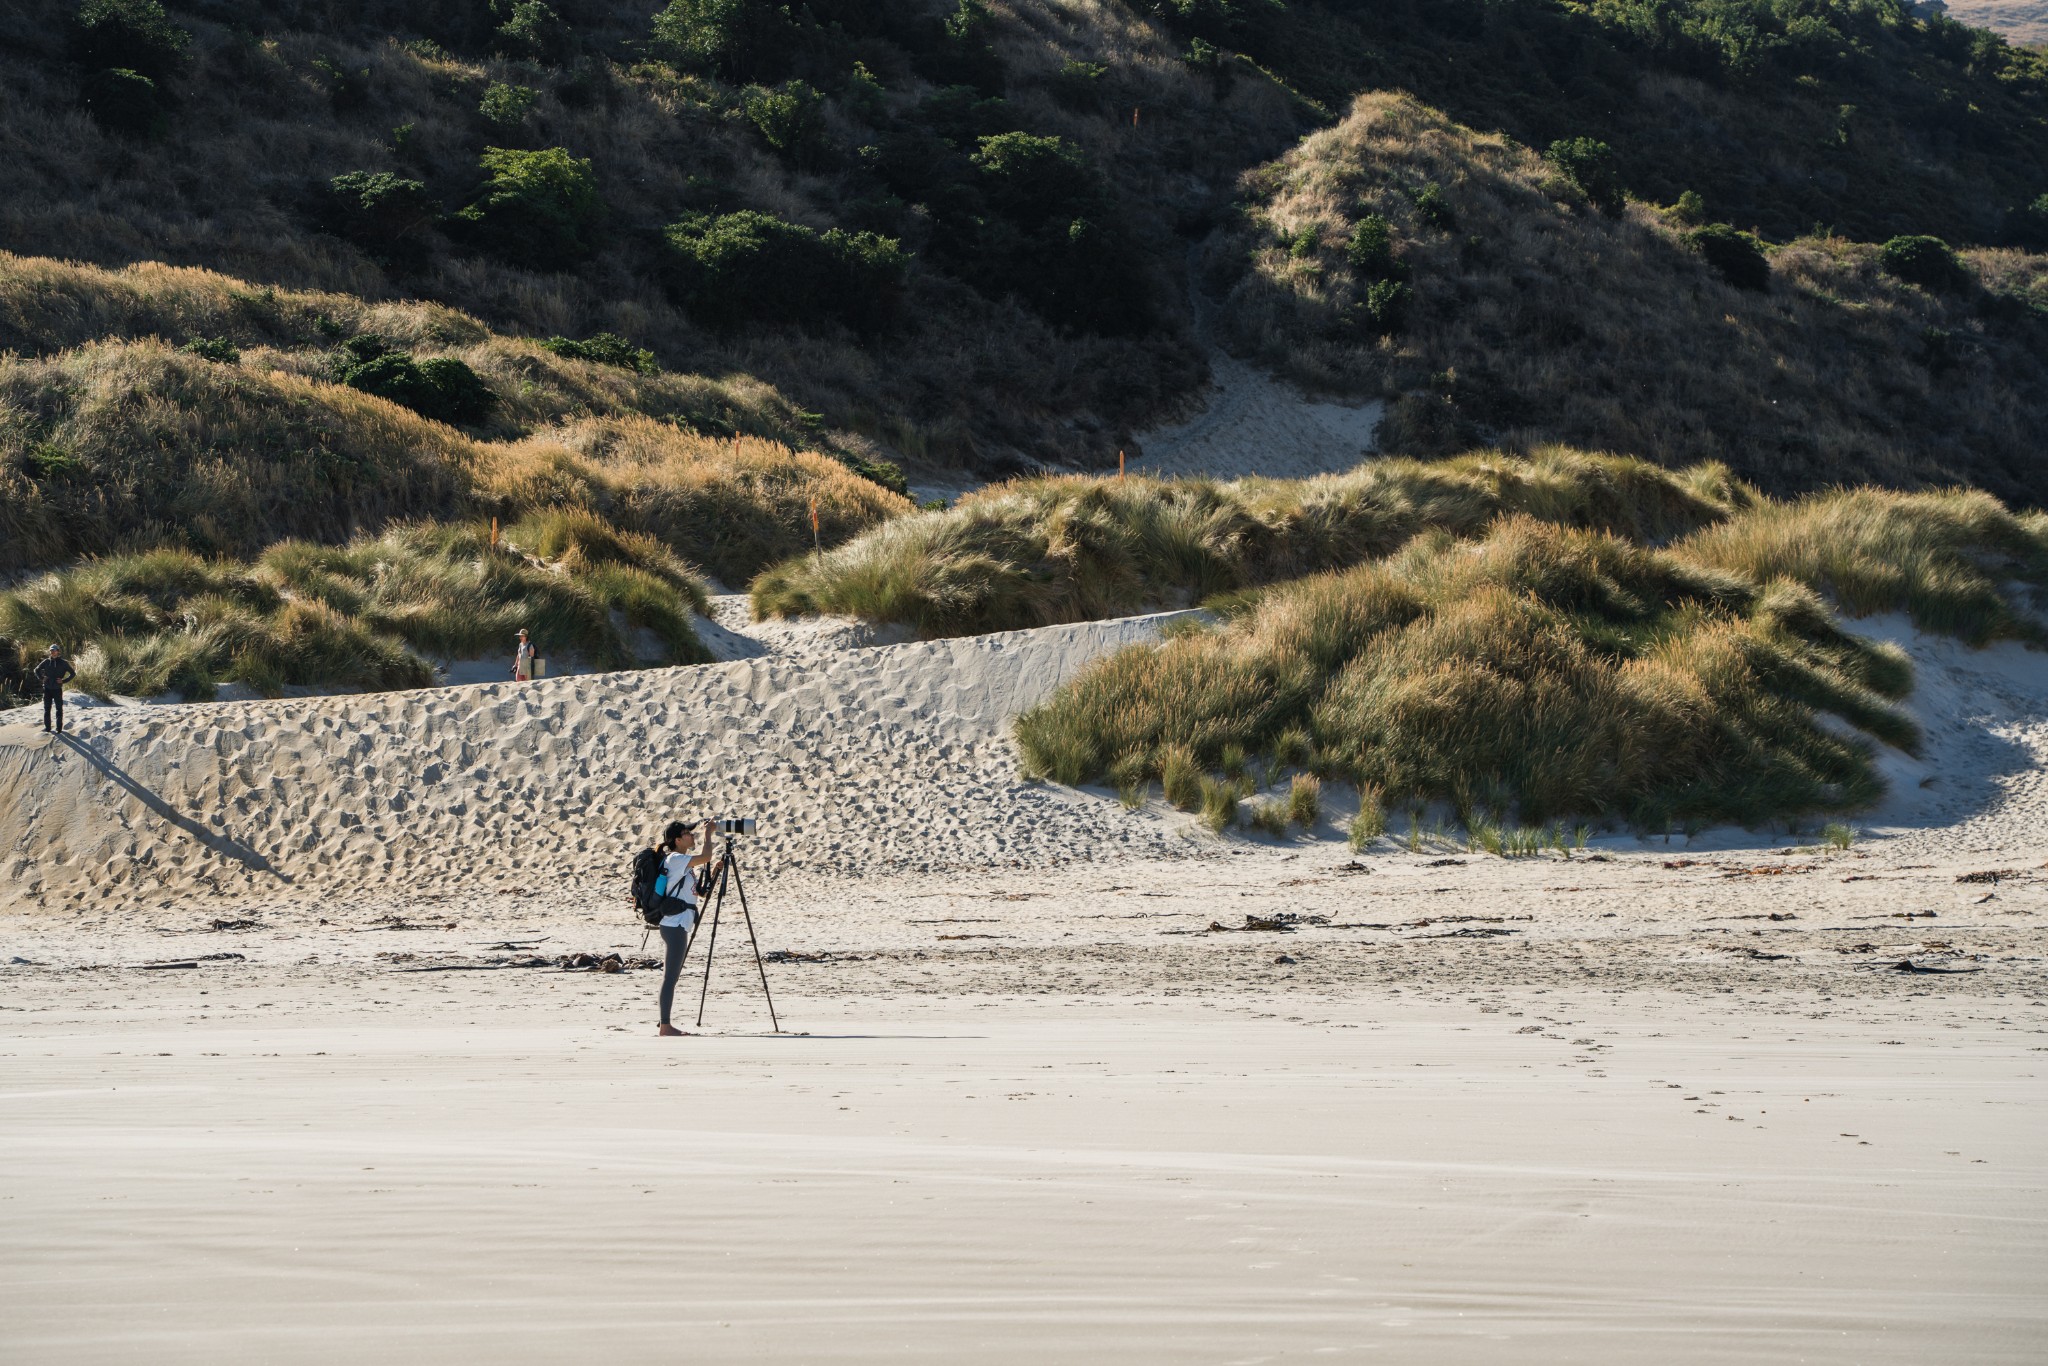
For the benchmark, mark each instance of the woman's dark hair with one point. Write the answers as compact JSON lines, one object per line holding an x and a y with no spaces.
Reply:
{"x":675,"y":828}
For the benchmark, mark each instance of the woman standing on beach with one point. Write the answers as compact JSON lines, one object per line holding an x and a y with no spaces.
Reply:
{"x":677,"y":894}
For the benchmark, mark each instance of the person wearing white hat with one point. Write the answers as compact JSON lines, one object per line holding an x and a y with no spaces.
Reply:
{"x":53,"y":673}
{"x":522,"y":659}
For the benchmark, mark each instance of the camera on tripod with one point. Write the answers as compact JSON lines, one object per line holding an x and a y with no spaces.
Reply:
{"x":733,"y":825}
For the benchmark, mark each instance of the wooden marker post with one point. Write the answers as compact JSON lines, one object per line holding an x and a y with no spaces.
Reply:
{"x":1119,"y":463}
{"x":494,"y":533}
{"x":816,"y":549}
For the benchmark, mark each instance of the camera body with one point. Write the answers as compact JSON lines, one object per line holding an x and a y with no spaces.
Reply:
{"x":733,"y":825}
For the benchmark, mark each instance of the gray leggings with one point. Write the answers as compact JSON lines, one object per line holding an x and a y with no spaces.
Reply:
{"x":677,"y":940}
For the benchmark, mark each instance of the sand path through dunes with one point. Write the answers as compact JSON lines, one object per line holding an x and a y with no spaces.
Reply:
{"x":1254,"y":423}
{"x":856,"y":760}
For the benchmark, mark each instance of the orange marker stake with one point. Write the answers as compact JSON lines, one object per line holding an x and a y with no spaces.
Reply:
{"x":1119,"y":464}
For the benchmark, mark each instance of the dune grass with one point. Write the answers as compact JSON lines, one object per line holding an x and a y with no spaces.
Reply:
{"x":1035,"y":552}
{"x":368,"y":615}
{"x":1539,"y":672}
{"x":1949,"y":560}
{"x":123,"y":446}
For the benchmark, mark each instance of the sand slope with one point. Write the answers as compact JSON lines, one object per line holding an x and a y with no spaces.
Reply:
{"x":1253,"y":423}
{"x":896,"y":756}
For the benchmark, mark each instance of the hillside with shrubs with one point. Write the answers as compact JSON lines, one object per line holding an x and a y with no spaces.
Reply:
{"x":296,"y":284}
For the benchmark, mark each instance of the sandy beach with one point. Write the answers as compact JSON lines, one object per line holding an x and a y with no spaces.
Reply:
{"x":1040,"y":1094}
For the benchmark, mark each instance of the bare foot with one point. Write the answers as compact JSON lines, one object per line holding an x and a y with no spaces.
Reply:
{"x":671,"y":1032}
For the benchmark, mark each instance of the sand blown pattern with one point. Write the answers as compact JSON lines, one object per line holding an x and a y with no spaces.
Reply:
{"x":506,"y":786}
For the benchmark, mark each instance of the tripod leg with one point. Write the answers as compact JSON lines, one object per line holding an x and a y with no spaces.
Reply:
{"x":759,"y":966}
{"x":711,"y":945}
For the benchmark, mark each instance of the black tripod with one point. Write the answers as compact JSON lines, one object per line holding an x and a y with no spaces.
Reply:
{"x":728,"y":868}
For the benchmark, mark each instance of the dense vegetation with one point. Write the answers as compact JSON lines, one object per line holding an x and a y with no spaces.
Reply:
{"x":1040,"y":551}
{"x":314,"y":416}
{"x":340,"y":284}
{"x":958,"y":230}
{"x":372,"y":614}
{"x":1549,"y":672}
{"x":1396,"y":254}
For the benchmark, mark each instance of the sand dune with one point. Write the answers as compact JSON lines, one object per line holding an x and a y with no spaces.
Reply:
{"x":856,"y":759}
{"x":852,"y":759}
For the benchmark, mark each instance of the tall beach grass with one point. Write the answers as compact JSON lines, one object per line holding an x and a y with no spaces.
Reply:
{"x":1538,"y":672}
{"x":1035,"y":552}
{"x":371,"y":614}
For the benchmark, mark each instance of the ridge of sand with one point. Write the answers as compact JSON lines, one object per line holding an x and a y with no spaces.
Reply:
{"x":857,"y":759}
{"x":852,"y":759}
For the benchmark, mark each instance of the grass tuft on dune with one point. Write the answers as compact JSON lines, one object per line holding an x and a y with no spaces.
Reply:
{"x":367,"y":615}
{"x":1036,"y":552}
{"x":1543,"y":671}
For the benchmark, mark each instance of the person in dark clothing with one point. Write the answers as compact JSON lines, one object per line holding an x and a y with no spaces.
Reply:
{"x":53,"y":673}
{"x":678,"y":895}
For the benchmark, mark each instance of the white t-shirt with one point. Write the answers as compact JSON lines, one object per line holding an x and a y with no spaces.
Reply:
{"x":682,"y":885}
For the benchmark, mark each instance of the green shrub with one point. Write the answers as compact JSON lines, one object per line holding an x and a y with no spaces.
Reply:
{"x":1371,"y":247}
{"x":2029,"y":224}
{"x":444,"y":389}
{"x":1053,"y":237}
{"x":123,"y":101}
{"x":1689,"y":209}
{"x":505,"y":107}
{"x":346,"y":90}
{"x":1737,"y":256}
{"x":1433,"y":208}
{"x":1384,"y":309}
{"x":378,"y":211}
{"x":1078,"y":85}
{"x":217,"y":349}
{"x":131,"y":35}
{"x":739,"y":268}
{"x":741,"y":40}
{"x":538,"y":209}
{"x":605,"y":348}
{"x":535,"y":32}
{"x":790,"y":119}
{"x":1925,"y":261}
{"x":1589,"y":164}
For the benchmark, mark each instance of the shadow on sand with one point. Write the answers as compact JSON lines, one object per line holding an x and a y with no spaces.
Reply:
{"x":220,"y":844}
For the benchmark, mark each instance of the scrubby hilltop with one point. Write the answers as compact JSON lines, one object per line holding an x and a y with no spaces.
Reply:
{"x":680,"y":290}
{"x":958,"y":231}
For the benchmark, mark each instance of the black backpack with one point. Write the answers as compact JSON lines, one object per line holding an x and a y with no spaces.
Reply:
{"x":646,"y":868}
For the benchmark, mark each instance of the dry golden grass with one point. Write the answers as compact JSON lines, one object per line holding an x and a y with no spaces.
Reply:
{"x":50,"y":306}
{"x":1536,"y":319}
{"x":1033,"y":552}
{"x":1958,"y":562}
{"x":1544,"y":671}
{"x":125,"y":445}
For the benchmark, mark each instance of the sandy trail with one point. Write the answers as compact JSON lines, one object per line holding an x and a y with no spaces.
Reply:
{"x":1253,"y":423}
